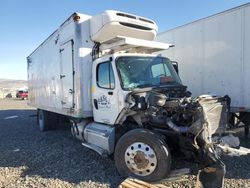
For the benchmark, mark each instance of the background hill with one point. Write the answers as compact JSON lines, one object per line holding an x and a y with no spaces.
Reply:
{"x":7,"y":83}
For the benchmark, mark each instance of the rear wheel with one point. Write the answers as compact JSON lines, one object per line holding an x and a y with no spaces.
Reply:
{"x":142,"y":154}
{"x":47,"y":120}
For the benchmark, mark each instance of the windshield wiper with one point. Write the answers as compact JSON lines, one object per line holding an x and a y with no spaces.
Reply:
{"x":169,"y":83}
{"x":145,"y":85}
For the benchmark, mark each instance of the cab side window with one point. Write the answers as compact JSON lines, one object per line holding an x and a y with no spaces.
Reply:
{"x":105,"y":76}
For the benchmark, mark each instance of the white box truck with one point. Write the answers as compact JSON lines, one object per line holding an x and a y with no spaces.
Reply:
{"x":102,"y":75}
{"x":213,"y":56}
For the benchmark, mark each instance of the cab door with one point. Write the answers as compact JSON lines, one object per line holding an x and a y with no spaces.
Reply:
{"x":104,"y":92}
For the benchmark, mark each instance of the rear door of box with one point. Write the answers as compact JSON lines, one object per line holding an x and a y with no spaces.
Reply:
{"x":67,"y":74}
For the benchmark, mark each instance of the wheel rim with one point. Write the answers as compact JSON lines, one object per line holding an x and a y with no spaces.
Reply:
{"x":140,"y":159}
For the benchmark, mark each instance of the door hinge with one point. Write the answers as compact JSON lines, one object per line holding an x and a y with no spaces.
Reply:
{"x":63,"y":102}
{"x":74,"y":72}
{"x":72,"y":109}
{"x":62,"y":76}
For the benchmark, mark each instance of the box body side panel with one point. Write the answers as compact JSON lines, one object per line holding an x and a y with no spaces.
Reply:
{"x":212,"y":55}
{"x":55,"y":76}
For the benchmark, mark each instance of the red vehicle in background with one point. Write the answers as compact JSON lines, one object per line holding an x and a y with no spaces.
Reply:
{"x":22,"y":94}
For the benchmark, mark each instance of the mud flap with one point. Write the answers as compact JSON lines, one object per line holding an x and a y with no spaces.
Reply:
{"x":212,"y":175}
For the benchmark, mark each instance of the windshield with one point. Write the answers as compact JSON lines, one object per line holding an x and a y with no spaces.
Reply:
{"x":140,"y":72}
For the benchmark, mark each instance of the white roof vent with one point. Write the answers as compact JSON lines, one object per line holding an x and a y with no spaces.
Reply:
{"x":111,"y":24}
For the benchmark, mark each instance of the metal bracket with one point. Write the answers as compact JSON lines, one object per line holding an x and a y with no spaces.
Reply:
{"x":121,"y":43}
{"x":62,"y":76}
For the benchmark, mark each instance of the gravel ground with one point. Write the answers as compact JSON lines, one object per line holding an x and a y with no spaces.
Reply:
{"x":29,"y":158}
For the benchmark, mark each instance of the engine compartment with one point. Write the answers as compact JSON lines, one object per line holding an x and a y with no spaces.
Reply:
{"x":188,"y":124}
{"x":177,"y":111}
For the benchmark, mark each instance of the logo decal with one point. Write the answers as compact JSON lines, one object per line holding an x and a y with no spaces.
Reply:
{"x":103,"y":102}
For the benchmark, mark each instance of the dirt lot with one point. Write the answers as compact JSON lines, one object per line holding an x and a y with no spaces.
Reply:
{"x":29,"y":158}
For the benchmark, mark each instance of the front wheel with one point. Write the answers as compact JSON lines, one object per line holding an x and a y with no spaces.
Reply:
{"x":142,"y":154}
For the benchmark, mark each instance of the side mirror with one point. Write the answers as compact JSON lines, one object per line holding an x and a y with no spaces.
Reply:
{"x":175,"y":65}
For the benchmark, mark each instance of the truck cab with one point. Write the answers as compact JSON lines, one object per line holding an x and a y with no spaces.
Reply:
{"x":141,"y":111}
{"x":118,"y":74}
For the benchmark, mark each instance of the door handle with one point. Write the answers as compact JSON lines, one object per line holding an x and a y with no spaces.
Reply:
{"x":110,"y":93}
{"x":96,"y":104}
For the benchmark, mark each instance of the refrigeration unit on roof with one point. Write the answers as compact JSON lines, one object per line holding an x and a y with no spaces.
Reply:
{"x":111,"y":24}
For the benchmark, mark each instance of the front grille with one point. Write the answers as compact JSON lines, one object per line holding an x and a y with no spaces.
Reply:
{"x":134,"y":17}
{"x":149,"y":21}
{"x":135,"y":26}
{"x":126,"y":15}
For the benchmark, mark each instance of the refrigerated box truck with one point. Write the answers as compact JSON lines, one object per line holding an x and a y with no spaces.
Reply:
{"x":100,"y":73}
{"x":213,"y":57}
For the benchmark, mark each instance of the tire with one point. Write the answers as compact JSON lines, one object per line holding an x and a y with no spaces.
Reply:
{"x":142,"y":154}
{"x":47,"y":120}
{"x":245,"y":118}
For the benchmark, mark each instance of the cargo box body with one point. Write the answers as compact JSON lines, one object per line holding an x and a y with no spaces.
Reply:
{"x":213,"y":55}
{"x":59,"y":70}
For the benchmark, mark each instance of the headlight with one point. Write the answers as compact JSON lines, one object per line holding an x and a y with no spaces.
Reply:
{"x":157,"y":99}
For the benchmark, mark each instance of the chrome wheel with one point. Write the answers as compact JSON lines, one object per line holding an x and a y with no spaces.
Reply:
{"x":140,"y":159}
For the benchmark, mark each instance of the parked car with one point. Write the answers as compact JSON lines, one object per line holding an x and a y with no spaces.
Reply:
{"x":22,"y":94}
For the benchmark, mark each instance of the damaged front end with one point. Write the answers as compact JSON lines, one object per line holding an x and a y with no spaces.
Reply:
{"x":189,"y":125}
{"x":213,"y":123}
